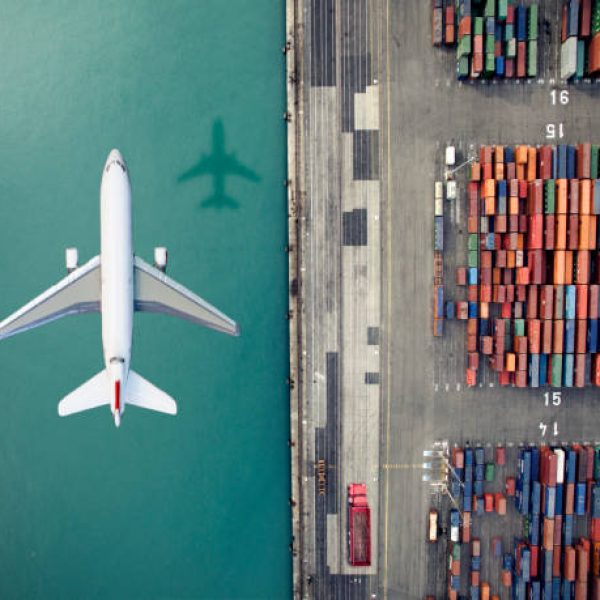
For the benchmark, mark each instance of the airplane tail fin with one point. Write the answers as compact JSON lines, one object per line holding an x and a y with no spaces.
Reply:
{"x":142,"y":393}
{"x":93,"y":393}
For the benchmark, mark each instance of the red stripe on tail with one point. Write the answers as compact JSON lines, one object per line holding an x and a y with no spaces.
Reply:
{"x":117,"y":395}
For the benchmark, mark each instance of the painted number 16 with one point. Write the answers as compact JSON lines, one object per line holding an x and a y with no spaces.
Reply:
{"x":559,"y":97}
{"x":555,"y":398}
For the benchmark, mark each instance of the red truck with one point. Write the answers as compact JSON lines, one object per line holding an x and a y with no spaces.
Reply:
{"x":359,"y":526}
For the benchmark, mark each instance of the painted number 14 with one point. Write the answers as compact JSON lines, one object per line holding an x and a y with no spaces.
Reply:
{"x":544,"y":427}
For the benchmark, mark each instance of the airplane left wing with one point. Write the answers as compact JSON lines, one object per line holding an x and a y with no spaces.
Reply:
{"x":78,"y":292}
{"x":155,"y":292}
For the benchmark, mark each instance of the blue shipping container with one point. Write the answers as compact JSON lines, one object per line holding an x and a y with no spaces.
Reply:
{"x":478,"y":487}
{"x":567,"y":530}
{"x":472,"y":276}
{"x":570,"y":301}
{"x":580,"y":499}
{"x":439,"y":290}
{"x":546,"y":570}
{"x":543,"y":368}
{"x":509,"y":154}
{"x":438,"y":234}
{"x":534,"y":370}
{"x":519,"y":587}
{"x":472,"y":310}
{"x":490,"y":26}
{"x":535,"y":463}
{"x":521,"y":18}
{"x":500,"y":71}
{"x":566,"y":590}
{"x":536,"y":497}
{"x":536,"y":590}
{"x":571,"y":160}
{"x":534,"y":530}
{"x":571,"y":465}
{"x":558,"y":506}
{"x":507,"y":562}
{"x":468,"y":457}
{"x":484,"y":327}
{"x":474,"y":592}
{"x":562,"y":161}
{"x":556,"y":588}
{"x":568,"y":369}
{"x":573,"y":18}
{"x":526,"y":564}
{"x":475,"y":563}
{"x":450,"y":310}
{"x":468,"y":474}
{"x":479,"y":472}
{"x":550,"y":503}
{"x":479,"y":456}
{"x":592,"y":337}
{"x":596,"y":207}
{"x":596,"y":501}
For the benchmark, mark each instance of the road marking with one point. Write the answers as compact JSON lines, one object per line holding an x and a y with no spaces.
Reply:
{"x":401,"y":466}
{"x":389,"y":298}
{"x":458,"y":387}
{"x":447,"y":387}
{"x":436,"y":387}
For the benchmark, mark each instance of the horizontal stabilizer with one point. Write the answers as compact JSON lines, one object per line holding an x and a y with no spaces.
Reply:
{"x":93,"y":393}
{"x":140,"y":392}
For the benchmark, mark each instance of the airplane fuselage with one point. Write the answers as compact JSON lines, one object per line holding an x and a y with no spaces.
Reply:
{"x":116,"y":260}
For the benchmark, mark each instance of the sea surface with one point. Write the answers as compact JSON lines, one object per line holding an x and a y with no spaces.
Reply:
{"x":192,"y":506}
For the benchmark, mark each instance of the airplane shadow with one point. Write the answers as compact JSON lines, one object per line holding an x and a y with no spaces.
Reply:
{"x":219,"y":165}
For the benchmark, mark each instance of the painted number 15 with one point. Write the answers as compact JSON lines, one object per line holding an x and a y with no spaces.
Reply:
{"x":554,"y":397}
{"x":555,"y":130}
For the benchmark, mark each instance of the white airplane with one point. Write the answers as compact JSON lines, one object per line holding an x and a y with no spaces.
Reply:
{"x":116,"y":283}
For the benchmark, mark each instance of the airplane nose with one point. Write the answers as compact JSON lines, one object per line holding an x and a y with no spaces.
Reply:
{"x":114,"y":155}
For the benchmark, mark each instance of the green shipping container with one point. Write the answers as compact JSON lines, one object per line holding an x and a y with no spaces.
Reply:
{"x":490,"y":64}
{"x":557,"y":362}
{"x":473,"y":259}
{"x":489,"y":44}
{"x":473,"y":241}
{"x":489,"y":472}
{"x":490,"y":8}
{"x":532,"y":59}
{"x":594,"y":161}
{"x":456,"y":551}
{"x":462,"y":68}
{"x":520,"y":327}
{"x":478,"y":27}
{"x":464,"y":46}
{"x":511,"y":48}
{"x":597,"y":462}
{"x":509,"y":32}
{"x":580,"y":72}
{"x":549,"y":195}
{"x":596,"y":17}
{"x":532,"y":29}
{"x":502,"y":10}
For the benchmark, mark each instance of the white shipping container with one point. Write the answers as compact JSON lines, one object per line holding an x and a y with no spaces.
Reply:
{"x":451,"y":190}
{"x":560,"y":465}
{"x":568,"y":58}
{"x":439,"y":207}
{"x":450,"y":155}
{"x":439,"y":189}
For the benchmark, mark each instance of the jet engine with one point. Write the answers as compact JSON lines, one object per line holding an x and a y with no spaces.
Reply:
{"x":160,"y":258}
{"x":71,"y":259}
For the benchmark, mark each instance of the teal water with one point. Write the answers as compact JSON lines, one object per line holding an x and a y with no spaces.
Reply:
{"x":193,"y":506}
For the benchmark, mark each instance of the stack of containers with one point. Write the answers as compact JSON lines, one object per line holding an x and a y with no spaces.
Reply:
{"x":580,"y":38}
{"x":438,"y":261}
{"x":494,"y":38}
{"x":533,"y":250}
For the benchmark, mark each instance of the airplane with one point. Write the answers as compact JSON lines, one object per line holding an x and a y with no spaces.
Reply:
{"x":218,"y":164}
{"x":116,"y":283}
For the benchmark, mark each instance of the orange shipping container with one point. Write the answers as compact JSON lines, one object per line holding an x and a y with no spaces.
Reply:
{"x":585,"y":196}
{"x":521,"y":156}
{"x":559,"y":267}
{"x":558,"y":336}
{"x":584,"y":231}
{"x":561,"y":196}
{"x":560,"y":233}
{"x":582,"y":273}
{"x":475,"y":171}
{"x":513,"y":205}
{"x":594,"y":55}
{"x":548,"y":533}
{"x":531,"y":163}
{"x":582,"y":302}
{"x":485,"y":591}
{"x":499,"y":171}
{"x":569,"y":564}
{"x":489,"y":188}
{"x":568,"y":267}
{"x":510,"y":360}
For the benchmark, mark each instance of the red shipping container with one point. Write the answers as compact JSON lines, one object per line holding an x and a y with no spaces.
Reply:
{"x":461,"y":276}
{"x":556,"y":555}
{"x":531,"y":158}
{"x":584,"y":158}
{"x":580,"y":370}
{"x":500,"y":504}
{"x":585,"y":197}
{"x":464,"y":27}
{"x":582,"y":268}
{"x":510,"y":14}
{"x":558,"y":337}
{"x":537,"y":266}
{"x":573,"y":237}
{"x":521,"y":379}
{"x":475,"y":166}
{"x":523,"y":276}
{"x":560,"y":240}
{"x":581,"y":301}
{"x":583,"y":557}
{"x":475,"y":578}
{"x":549,"y":229}
{"x":487,"y":168}
{"x":485,"y":154}
{"x":521,"y":362}
{"x":573,"y":196}
{"x":590,"y":471}
{"x":535,"y":233}
{"x":486,"y":259}
{"x":472,"y":293}
{"x":488,"y":502}
{"x":455,"y":567}
{"x":534,"y":560}
{"x":548,"y":537}
{"x":552,"y":465}
{"x":473,"y":360}
{"x":500,"y":455}
{"x":510,"y":293}
{"x":450,"y":37}
{"x":595,"y":532}
{"x":558,"y":521}
{"x":593,"y":310}
{"x":522,"y":225}
{"x":546,"y":301}
{"x":471,"y":343}
{"x":580,"y":336}
{"x":569,"y":498}
{"x":521,"y":291}
{"x":535,"y":197}
{"x":547,"y":336}
{"x":472,"y":225}
{"x":478,"y":46}
{"x":570,"y":565}
{"x":564,"y":22}
{"x":584,"y":31}
{"x":594,"y":55}
{"x":522,"y":188}
{"x":533,"y":335}
{"x":510,"y":486}
{"x":500,"y":224}
{"x":581,"y":587}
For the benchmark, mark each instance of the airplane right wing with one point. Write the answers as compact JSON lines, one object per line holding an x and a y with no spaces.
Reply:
{"x":155,"y":292}
{"x":78,"y":292}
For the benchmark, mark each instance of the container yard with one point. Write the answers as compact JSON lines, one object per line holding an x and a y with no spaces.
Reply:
{"x":493,"y":38}
{"x":532,"y":278}
{"x":522,"y":522}
{"x":580,"y":39}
